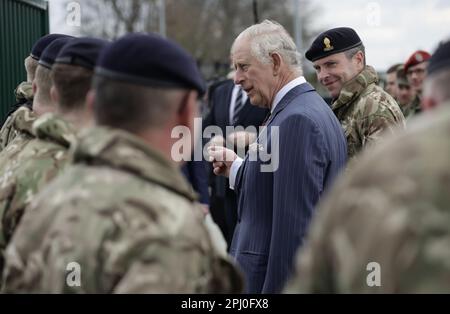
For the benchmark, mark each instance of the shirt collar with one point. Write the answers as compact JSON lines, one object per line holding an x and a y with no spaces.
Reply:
{"x":286,"y":88}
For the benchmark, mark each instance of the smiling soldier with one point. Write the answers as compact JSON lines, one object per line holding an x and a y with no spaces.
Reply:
{"x":364,"y":109}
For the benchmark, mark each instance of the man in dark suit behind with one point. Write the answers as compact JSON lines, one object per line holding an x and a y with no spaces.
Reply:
{"x":230,"y":106}
{"x":276,"y":198}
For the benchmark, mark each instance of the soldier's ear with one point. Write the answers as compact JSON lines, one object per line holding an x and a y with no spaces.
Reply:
{"x":54,"y":95}
{"x":359,"y":57}
{"x":276,"y":61}
{"x":34,"y":87}
{"x":90,"y":102}
{"x":188,"y":109}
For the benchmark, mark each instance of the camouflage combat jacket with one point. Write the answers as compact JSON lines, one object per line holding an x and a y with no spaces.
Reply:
{"x":24,"y":95}
{"x":33,"y":167}
{"x":412,"y":109}
{"x":121,"y":219}
{"x":385,"y":226}
{"x":15,"y":135}
{"x":365,"y":110}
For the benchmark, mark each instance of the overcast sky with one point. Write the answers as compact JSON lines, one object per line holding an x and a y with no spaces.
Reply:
{"x":391,"y":30}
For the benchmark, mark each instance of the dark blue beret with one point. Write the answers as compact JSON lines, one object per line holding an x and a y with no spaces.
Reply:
{"x":49,"y":54}
{"x":151,"y":60}
{"x":82,"y":51}
{"x":440,"y":59}
{"x":42,"y":43}
{"x":333,"y":41}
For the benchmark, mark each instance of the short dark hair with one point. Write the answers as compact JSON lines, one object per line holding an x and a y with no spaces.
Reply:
{"x":394,"y":68}
{"x":132,"y":107}
{"x":351,"y":52}
{"x":72,"y":83}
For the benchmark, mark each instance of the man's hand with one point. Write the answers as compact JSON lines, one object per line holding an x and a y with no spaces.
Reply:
{"x":217,"y":140}
{"x":222,"y":159}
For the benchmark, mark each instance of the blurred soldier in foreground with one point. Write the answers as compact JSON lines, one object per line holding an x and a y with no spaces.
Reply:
{"x":385,"y":227}
{"x":43,"y":157}
{"x":415,"y":69}
{"x":24,"y":92}
{"x":123,"y":218}
{"x":363,"y":108}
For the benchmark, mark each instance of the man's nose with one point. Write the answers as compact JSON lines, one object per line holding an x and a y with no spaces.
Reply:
{"x":238,"y":78}
{"x":322,"y":75}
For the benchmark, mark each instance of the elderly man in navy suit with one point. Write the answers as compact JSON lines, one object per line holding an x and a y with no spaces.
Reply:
{"x":275,"y":207}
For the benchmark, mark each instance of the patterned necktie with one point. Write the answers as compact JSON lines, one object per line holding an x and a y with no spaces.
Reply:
{"x":238,"y":105}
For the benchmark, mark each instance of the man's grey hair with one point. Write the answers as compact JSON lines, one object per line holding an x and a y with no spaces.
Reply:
{"x":437,"y":86}
{"x":270,"y":37}
{"x":351,"y":52}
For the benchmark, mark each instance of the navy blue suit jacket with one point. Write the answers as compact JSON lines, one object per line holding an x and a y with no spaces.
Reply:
{"x":275,"y":208}
{"x":195,"y":172}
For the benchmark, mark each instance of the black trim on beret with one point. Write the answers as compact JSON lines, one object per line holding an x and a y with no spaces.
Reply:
{"x":45,"y":64}
{"x":74,"y":61}
{"x":134,"y":79}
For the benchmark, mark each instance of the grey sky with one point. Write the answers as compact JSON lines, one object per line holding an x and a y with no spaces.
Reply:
{"x":391,"y":30}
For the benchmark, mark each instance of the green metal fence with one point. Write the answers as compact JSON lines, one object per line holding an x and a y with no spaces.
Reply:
{"x":22,"y":22}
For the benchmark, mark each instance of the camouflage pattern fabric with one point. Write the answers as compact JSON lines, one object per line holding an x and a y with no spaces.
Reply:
{"x":24,"y":95}
{"x":412,"y":109}
{"x":24,"y":92}
{"x":365,"y":111}
{"x":127,"y":217}
{"x":392,"y":208}
{"x":15,"y":134}
{"x":32,"y":168}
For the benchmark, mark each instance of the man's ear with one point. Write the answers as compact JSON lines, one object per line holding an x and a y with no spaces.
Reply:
{"x":188,"y":109}
{"x":54,"y":95}
{"x":276,"y":60}
{"x":90,"y":102}
{"x":359,"y":57}
{"x":34,"y":87}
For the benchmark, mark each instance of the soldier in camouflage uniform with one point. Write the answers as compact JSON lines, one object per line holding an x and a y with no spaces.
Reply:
{"x":391,"y":209}
{"x":364,"y":109}
{"x":415,"y":70}
{"x":406,"y":96}
{"x":24,"y":92}
{"x":123,"y":212}
{"x":43,"y":157}
{"x":20,"y":131}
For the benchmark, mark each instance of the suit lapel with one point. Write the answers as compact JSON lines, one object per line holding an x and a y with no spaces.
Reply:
{"x":286,"y":100}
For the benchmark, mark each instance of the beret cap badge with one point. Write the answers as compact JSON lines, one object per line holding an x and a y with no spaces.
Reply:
{"x":327,"y":43}
{"x":419,"y":57}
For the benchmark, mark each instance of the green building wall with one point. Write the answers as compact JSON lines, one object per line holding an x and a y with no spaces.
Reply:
{"x":22,"y":22}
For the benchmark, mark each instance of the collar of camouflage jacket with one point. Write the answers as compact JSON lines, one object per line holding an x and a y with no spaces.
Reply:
{"x":122,"y":150}
{"x":50,"y":127}
{"x":24,"y":92}
{"x":353,"y":88}
{"x":23,"y":119}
